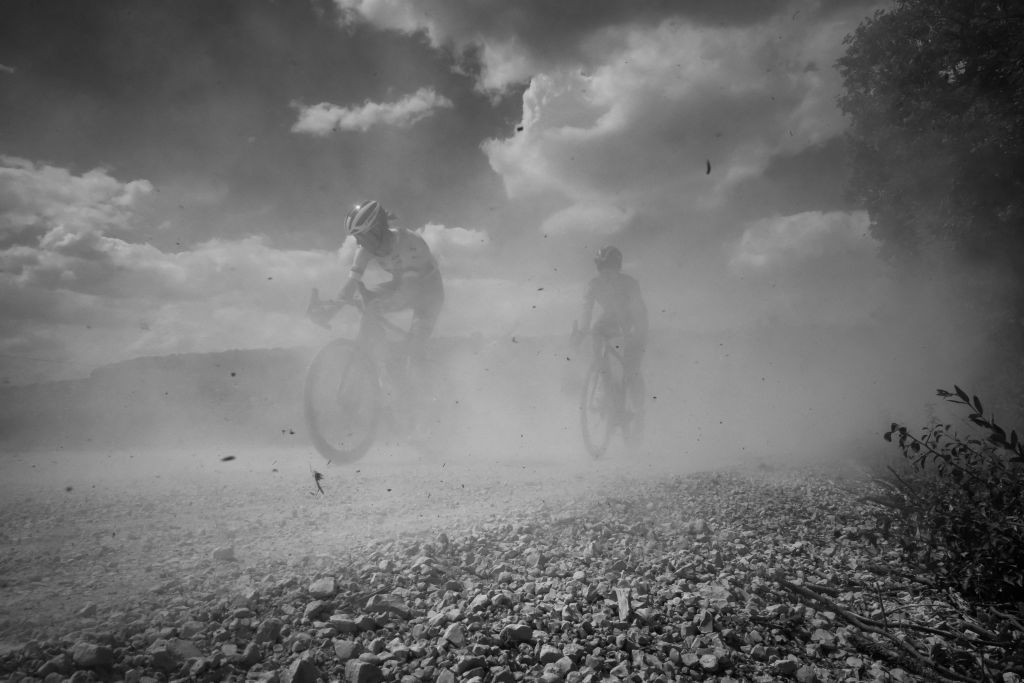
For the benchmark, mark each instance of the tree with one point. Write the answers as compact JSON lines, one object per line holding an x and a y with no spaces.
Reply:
{"x":934,"y":93}
{"x":934,"y":90}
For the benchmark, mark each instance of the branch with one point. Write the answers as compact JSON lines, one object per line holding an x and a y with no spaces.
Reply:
{"x":879,"y":569}
{"x":1010,"y":618}
{"x":868,"y":625}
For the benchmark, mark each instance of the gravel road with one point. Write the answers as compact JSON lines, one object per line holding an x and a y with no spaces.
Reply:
{"x":85,"y":527}
{"x":230,"y":565}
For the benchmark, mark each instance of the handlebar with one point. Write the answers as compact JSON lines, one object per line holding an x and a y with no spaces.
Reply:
{"x":321,"y":311}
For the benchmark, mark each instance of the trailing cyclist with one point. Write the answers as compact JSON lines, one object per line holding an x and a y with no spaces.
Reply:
{"x":623,"y":315}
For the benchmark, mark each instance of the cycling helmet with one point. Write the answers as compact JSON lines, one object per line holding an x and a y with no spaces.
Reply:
{"x":608,"y":258}
{"x":366,"y":217}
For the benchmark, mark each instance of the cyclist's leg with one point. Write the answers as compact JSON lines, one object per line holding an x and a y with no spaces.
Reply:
{"x":426,"y":308}
{"x":371,"y":335}
{"x":371,"y":330}
{"x":427,"y":302}
{"x":632,"y":361}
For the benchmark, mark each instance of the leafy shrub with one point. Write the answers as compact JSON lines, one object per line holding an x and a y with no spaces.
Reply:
{"x":958,"y":508}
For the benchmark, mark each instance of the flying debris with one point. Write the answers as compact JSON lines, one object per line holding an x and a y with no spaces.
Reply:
{"x":708,"y":172}
{"x":227,"y":458}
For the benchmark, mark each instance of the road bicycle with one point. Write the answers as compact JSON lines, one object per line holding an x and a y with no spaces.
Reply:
{"x":354,"y":393}
{"x":606,"y":404}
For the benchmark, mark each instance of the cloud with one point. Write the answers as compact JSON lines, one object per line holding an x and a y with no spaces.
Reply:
{"x":590,"y":218}
{"x":508,"y":43}
{"x":776,"y":244}
{"x":7,"y":69}
{"x":322,"y":119}
{"x":626,"y":103}
{"x":40,"y":196}
{"x":642,"y":126}
{"x":459,"y":251}
{"x":222,"y":294}
{"x":82,"y":293}
{"x":75,"y":287}
{"x":820,"y":267}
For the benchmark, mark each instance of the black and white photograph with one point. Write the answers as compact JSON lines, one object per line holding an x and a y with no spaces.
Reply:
{"x":502,"y":341}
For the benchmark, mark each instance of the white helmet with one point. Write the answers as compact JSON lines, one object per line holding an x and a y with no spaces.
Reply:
{"x":366,"y":217}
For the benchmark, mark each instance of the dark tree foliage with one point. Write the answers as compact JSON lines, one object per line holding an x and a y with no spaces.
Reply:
{"x":934,"y":90}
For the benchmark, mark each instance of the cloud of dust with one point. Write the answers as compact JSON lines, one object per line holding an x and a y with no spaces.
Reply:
{"x":810,"y":361}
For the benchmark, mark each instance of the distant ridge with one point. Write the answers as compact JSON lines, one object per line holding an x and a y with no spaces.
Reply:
{"x":182,"y":399}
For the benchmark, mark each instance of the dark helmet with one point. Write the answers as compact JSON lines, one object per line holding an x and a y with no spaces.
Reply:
{"x":608,"y":258}
{"x":366,"y":217}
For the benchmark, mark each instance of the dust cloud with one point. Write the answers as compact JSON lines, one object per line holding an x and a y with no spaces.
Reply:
{"x":732,"y":377}
{"x":752,"y":393}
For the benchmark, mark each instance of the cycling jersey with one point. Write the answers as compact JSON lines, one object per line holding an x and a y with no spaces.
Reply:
{"x":409,"y":254}
{"x":416,"y":284}
{"x":624,"y":313}
{"x":622,"y":306}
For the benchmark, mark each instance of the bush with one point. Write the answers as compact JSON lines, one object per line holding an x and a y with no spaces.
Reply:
{"x":958,"y":508}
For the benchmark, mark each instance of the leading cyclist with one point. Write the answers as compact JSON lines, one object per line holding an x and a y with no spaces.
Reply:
{"x":623,"y":314}
{"x":415,"y":282}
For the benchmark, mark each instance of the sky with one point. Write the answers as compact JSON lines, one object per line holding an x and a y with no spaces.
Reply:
{"x":174,"y":176}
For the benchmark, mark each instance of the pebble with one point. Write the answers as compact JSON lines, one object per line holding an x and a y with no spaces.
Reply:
{"x":607,"y":591}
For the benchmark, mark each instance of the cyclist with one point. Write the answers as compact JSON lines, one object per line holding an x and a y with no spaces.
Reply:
{"x":415,"y":282}
{"x":624,"y":315}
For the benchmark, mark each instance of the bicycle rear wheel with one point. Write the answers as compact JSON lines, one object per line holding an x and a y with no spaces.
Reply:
{"x":342,"y":401}
{"x":598,"y":409}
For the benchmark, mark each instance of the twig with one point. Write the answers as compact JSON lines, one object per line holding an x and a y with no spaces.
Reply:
{"x":881,"y":605}
{"x":1010,"y":618}
{"x":867,"y":625}
{"x":834,"y":592}
{"x":879,"y":569}
{"x":989,"y":639}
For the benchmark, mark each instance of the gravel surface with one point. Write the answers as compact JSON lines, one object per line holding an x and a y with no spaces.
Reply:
{"x":227,"y":565}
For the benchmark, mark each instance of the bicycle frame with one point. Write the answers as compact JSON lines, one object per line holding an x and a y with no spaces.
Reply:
{"x":398,"y":388}
{"x":399,"y":336}
{"x":618,"y":382}
{"x":603,"y":408}
{"x":318,"y":308}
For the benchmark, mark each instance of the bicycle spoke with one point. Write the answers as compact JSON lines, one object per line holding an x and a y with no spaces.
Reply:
{"x":597,"y":411}
{"x":342,"y":402}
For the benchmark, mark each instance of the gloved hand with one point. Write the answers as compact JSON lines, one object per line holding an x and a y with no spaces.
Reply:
{"x":321,"y":314}
{"x":320,"y":311}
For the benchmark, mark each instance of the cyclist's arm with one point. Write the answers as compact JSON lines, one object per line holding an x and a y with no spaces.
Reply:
{"x":355,"y":276}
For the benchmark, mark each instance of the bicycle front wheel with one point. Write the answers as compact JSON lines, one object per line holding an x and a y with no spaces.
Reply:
{"x":598,"y":410}
{"x":342,"y":401}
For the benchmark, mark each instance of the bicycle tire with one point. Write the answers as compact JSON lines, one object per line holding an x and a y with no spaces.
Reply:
{"x":597,"y":410}
{"x":342,"y":401}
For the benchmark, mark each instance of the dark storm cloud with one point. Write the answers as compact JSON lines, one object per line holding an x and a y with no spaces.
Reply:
{"x":547,"y":34}
{"x":552,"y":26}
{"x":194,"y":95}
{"x":813,"y":179}
{"x":832,"y":8}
